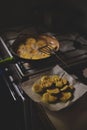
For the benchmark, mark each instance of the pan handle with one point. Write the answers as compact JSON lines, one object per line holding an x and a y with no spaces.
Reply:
{"x":6,"y":60}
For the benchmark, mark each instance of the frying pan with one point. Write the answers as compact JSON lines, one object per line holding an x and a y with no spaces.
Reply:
{"x":22,"y":39}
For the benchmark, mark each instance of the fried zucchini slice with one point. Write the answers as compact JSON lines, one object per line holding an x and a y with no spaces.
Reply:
{"x":46,"y":82}
{"x":64,"y":88}
{"x":48,"y":98}
{"x":37,"y":88}
{"x":65,"y":81}
{"x":59,"y":84}
{"x":65,"y":96}
{"x":30,"y":41}
{"x":55,"y":78}
{"x":44,"y":78}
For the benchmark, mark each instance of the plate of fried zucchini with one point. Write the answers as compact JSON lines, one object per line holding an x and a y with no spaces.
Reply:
{"x":54,"y":89}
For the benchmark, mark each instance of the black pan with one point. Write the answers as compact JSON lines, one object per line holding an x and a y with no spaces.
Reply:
{"x":22,"y":39}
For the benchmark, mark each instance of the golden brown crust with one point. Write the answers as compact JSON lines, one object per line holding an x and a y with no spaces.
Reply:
{"x":53,"y":89}
{"x":30,"y":48}
{"x":65,"y":96}
{"x":47,"y":97}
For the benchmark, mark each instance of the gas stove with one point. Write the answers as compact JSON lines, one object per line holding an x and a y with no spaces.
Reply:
{"x":73,"y":52}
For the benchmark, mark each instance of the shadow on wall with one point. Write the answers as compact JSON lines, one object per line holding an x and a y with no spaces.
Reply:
{"x":64,"y":18}
{"x":60,"y":16}
{"x":56,"y":15}
{"x":70,"y":19}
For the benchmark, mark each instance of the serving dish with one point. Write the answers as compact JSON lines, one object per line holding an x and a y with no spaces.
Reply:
{"x":80,"y":89}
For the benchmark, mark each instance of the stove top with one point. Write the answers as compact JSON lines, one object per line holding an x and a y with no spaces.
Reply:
{"x":73,"y":51}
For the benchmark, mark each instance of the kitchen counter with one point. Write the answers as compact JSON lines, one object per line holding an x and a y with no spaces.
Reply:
{"x":71,"y":118}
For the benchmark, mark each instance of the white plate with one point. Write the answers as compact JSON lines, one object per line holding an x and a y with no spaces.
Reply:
{"x":80,"y":88}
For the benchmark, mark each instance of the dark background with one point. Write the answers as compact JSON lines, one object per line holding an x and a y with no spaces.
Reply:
{"x":57,"y":15}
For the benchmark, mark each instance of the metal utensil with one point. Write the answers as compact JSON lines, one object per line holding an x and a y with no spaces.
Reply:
{"x":48,"y":49}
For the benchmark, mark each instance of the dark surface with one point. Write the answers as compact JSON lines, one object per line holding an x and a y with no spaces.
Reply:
{"x":58,"y":15}
{"x":11,"y":115}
